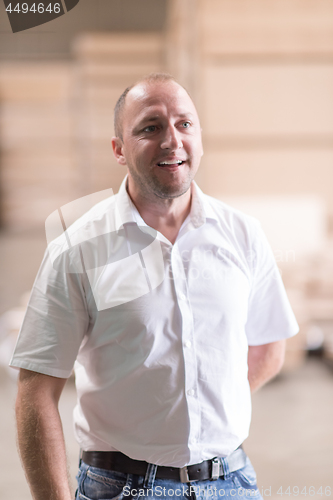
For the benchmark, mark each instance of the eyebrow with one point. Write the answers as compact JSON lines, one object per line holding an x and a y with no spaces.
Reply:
{"x":150,"y":119}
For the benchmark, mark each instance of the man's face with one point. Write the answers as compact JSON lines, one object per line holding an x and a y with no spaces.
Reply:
{"x":161,"y":143}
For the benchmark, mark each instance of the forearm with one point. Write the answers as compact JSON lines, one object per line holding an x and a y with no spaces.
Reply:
{"x":264,"y":363}
{"x":41,"y":445}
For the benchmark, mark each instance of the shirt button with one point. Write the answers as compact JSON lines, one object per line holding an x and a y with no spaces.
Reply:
{"x":191,"y":392}
{"x":188,"y":343}
{"x":182,"y":296}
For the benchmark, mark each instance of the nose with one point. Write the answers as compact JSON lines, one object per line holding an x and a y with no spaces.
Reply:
{"x":171,"y":139}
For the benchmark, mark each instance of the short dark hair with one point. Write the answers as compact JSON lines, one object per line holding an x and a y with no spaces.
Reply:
{"x":120,"y":105}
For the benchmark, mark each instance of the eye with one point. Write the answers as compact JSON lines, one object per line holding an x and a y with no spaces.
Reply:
{"x":150,"y":128}
{"x":186,"y":124}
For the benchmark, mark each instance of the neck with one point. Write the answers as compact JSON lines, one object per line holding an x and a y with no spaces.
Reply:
{"x":164,"y":215}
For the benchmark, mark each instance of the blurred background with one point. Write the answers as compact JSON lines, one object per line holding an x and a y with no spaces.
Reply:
{"x":261,"y":75}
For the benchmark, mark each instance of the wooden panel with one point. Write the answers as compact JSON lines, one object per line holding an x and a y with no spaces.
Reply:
{"x":22,"y":124}
{"x":266,"y":100}
{"x":269,"y":172}
{"x":29,"y":205}
{"x":106,"y":173}
{"x":56,"y":122}
{"x":124,"y":47}
{"x":37,"y":165}
{"x":107,"y":64}
{"x":119,"y":74}
{"x":266,"y":26}
{"x":183,"y":43}
{"x":35,"y":82}
{"x":47,"y":162}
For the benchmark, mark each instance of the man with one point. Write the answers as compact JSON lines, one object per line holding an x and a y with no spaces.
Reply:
{"x":164,"y":376}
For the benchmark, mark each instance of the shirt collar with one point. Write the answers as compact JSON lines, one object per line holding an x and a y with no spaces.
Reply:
{"x":126,"y":211}
{"x":201,"y":209}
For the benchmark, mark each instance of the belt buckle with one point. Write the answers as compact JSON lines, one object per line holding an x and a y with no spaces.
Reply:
{"x":184,"y":477}
{"x":215,"y":469}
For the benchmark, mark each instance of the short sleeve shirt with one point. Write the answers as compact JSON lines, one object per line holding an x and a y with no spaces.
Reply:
{"x":158,"y":333}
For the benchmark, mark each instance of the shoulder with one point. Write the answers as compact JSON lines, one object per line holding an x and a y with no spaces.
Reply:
{"x":240,"y":225}
{"x":99,"y":219}
{"x":77,"y":229}
{"x":84,"y":222}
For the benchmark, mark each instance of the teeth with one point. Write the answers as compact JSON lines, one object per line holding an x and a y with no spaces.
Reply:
{"x":170,"y":162}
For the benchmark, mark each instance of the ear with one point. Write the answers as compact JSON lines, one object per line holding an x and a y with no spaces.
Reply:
{"x":118,"y":150}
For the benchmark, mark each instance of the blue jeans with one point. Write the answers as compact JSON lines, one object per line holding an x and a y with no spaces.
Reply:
{"x":100,"y":484}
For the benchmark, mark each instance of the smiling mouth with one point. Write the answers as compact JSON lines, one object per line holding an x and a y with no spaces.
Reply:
{"x":170,"y":163}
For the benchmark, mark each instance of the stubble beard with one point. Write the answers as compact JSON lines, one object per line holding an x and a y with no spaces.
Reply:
{"x":151,"y":184}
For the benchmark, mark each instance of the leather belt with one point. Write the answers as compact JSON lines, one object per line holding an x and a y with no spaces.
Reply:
{"x":209,"y":469}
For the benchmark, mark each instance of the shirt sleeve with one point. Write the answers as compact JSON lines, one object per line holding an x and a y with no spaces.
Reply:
{"x":270,"y":317}
{"x":55,"y":322}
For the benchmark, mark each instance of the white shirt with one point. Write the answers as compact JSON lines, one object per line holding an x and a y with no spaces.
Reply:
{"x":162,"y":376}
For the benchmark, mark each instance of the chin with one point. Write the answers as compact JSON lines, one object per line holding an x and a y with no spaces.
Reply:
{"x":171,"y":190}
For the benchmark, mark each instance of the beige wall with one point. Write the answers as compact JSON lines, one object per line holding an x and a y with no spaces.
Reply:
{"x":260,"y":72}
{"x":36,"y":140}
{"x":56,"y":123}
{"x":105,"y":66}
{"x":266,"y":97}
